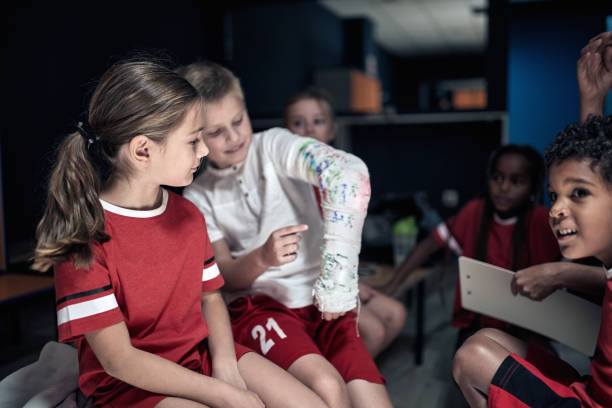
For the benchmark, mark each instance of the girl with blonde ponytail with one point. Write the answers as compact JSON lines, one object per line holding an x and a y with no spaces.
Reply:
{"x":137,"y":286}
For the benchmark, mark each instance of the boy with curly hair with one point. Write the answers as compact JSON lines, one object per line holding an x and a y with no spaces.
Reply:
{"x":492,"y":367}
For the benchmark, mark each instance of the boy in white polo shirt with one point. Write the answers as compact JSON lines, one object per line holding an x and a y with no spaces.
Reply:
{"x":274,"y":251}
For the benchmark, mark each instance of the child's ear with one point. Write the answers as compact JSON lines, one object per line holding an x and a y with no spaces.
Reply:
{"x":139,"y":149}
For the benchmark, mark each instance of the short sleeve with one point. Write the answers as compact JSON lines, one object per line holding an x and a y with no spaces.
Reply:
{"x":211,"y":276}
{"x":459,"y":229}
{"x":85,"y":298}
{"x":196,"y":195}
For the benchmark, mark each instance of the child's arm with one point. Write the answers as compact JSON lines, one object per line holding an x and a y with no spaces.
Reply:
{"x":539,"y":281}
{"x":240,"y":273}
{"x":594,"y":72}
{"x":221,"y":340}
{"x":114,"y":350}
{"x":344,"y":183}
{"x":416,"y":258}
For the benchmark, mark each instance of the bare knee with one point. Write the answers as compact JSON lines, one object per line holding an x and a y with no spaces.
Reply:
{"x":372,"y":329}
{"x":479,"y":357}
{"x":460,"y":360}
{"x":331,"y":389}
{"x":173,"y":402}
{"x":474,"y":350}
{"x":374,"y":334}
{"x":320,"y":376}
{"x":396,"y":317}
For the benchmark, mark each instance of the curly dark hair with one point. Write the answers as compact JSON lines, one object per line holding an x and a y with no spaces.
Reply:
{"x":591,"y":140}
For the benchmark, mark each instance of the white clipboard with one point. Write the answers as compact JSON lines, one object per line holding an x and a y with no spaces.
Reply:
{"x":562,"y":316}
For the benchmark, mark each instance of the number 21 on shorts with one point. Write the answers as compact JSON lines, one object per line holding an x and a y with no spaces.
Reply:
{"x":259,"y":331}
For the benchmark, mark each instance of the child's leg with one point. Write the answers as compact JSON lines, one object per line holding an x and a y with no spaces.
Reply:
{"x":281,"y":335}
{"x":381,"y":320}
{"x":372,"y":331}
{"x":478,"y":359}
{"x":275,"y":386}
{"x":318,"y":374}
{"x":366,"y":394}
{"x":339,"y":343}
{"x":173,"y":402}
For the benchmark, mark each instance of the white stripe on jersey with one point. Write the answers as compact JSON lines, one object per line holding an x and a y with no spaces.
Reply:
{"x":608,"y":272}
{"x":210,"y":272}
{"x":86,"y":309}
{"x":446,"y":236}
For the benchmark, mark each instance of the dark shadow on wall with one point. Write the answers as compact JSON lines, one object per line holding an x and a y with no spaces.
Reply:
{"x":53,"y":54}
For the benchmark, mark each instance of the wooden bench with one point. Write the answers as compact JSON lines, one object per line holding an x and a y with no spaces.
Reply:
{"x":16,"y":288}
{"x":382,"y":274}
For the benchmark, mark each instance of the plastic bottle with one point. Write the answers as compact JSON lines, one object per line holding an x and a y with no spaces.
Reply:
{"x":404,"y":237}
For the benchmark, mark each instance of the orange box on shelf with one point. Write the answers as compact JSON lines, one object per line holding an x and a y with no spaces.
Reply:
{"x":352,"y":91}
{"x":365,"y":93}
{"x":470,"y":98}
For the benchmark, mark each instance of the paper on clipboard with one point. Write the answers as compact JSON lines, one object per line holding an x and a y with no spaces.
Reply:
{"x":562,"y":316}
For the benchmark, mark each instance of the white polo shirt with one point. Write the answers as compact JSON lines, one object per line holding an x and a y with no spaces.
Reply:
{"x":244,"y":204}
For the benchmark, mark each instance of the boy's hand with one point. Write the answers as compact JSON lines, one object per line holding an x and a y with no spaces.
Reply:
{"x":282,"y":245}
{"x":331,"y":316}
{"x":327,"y":315}
{"x":536,"y":282}
{"x":594,"y":73}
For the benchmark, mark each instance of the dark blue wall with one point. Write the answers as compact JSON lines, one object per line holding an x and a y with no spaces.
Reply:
{"x":277,"y":48}
{"x":53,"y":52}
{"x":407,"y":74}
{"x":544,"y":45}
{"x":431,"y":157}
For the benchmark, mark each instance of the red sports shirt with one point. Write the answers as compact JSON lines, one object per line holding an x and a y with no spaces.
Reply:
{"x":150,"y":275}
{"x":460,"y":233}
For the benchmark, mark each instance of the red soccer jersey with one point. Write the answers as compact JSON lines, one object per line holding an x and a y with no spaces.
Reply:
{"x":601,"y":366}
{"x":150,"y":275}
{"x":461,"y":232}
{"x":550,"y":381}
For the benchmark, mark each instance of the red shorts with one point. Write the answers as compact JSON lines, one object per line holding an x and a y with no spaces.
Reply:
{"x":542,"y":381}
{"x":137,"y":398}
{"x":283,"y":335}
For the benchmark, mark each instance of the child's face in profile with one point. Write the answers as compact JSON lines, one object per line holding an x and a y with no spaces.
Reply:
{"x":179,"y":157}
{"x":509,"y":184}
{"x":309,"y":117}
{"x":227,"y":131}
{"x":581,"y":210}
